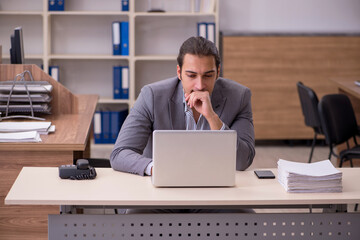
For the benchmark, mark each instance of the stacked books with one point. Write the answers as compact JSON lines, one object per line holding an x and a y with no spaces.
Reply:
{"x":317,"y":177}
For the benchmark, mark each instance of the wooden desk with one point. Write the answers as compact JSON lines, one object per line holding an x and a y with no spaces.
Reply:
{"x":134,"y":191}
{"x":112,"y":188}
{"x":72,"y":116}
{"x":347,"y":86}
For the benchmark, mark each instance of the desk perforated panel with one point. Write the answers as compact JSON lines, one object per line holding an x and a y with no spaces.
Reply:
{"x":206,"y":226}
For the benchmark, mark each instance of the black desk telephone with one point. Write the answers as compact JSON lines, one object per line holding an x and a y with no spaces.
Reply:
{"x":80,"y":171}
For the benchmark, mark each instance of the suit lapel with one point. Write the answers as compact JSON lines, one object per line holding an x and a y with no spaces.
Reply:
{"x":218,"y":100}
{"x":176,"y":109}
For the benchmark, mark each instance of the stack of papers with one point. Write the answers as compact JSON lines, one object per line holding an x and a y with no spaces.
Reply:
{"x":317,"y":177}
{"x":16,"y":127}
{"x":31,"y":86}
{"x":25,"y":98}
{"x":31,"y":136}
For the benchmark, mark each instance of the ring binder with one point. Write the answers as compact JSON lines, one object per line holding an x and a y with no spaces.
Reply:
{"x":19,"y":84}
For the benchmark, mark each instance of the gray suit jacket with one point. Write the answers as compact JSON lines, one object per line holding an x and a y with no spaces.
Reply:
{"x":160,"y":106}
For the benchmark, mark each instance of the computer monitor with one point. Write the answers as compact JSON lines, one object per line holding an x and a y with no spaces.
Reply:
{"x":17,"y":47}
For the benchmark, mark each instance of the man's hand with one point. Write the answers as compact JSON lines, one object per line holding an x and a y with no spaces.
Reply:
{"x":200,"y":102}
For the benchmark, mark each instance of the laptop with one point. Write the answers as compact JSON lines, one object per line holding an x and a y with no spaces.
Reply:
{"x":194,"y":158}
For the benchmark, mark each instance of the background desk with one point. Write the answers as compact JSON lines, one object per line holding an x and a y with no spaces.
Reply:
{"x":347,"y":86}
{"x":72,"y":116}
{"x":123,"y":190}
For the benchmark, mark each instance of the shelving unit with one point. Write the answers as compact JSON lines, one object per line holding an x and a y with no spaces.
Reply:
{"x":78,"y":40}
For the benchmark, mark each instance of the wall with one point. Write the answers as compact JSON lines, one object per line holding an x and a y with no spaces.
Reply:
{"x":309,"y":16}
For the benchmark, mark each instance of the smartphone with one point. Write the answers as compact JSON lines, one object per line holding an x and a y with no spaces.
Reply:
{"x":263,"y":174}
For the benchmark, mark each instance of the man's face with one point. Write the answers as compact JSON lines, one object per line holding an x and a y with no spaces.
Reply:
{"x":198,"y":73}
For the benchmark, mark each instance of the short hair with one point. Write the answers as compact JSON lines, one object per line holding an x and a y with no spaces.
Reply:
{"x":198,"y":46}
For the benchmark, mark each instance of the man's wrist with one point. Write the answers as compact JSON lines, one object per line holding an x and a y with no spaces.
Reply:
{"x":214,"y":122}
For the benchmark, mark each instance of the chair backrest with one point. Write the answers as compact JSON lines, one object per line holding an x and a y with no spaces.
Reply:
{"x":309,"y":105}
{"x":338,"y":118}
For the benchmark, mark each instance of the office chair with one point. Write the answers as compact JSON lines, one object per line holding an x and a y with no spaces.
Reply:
{"x":339,"y":125}
{"x":309,"y":105}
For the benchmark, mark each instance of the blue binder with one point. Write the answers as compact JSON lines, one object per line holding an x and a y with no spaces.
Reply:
{"x":124,"y":80}
{"x":116,"y":38}
{"x":202,"y":29}
{"x":210,"y":31}
{"x":115,"y":125}
{"x":117,"y":82}
{"x":97,"y":127}
{"x":52,"y":5}
{"x":125,"y":5}
{"x":124,"y":38}
{"x":105,"y":121}
{"x":60,"y":5}
{"x":54,"y":72}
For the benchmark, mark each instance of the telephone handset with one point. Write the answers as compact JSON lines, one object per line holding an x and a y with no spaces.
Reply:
{"x":80,"y":171}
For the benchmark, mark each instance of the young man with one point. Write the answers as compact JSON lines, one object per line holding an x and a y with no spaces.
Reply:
{"x":197,"y":99}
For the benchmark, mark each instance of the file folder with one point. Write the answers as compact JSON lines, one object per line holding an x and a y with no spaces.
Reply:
{"x":105,"y":121}
{"x":54,"y":72}
{"x":210,"y":27}
{"x":124,"y":38}
{"x":97,"y":127}
{"x":124,"y":83}
{"x":202,"y":30}
{"x":117,"y":82}
{"x":60,"y":5}
{"x":56,"y":5}
{"x":125,"y":5}
{"x":115,"y":125}
{"x":52,"y":5}
{"x":116,"y":38}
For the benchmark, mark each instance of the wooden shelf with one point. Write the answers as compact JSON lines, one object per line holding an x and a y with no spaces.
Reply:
{"x":89,"y":13}
{"x":27,"y":56}
{"x":59,"y":43}
{"x":113,"y":101}
{"x":173,"y":14}
{"x":35,"y":13}
{"x":155,"y":58}
{"x":88,"y":57}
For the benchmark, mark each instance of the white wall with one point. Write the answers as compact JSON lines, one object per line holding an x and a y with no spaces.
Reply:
{"x":294,"y":16}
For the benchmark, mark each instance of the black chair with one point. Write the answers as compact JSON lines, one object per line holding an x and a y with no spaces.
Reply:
{"x":309,"y":105}
{"x":339,"y":125}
